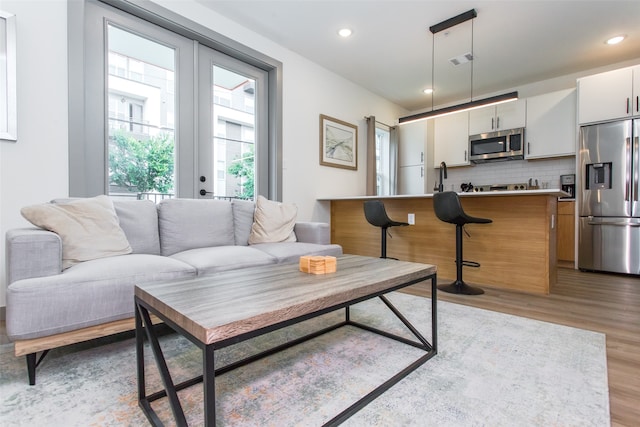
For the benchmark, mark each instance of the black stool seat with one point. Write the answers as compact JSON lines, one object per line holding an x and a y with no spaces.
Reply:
{"x":448,"y":208}
{"x":376,"y":215}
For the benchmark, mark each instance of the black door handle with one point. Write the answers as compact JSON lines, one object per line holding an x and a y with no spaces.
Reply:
{"x":204,"y":192}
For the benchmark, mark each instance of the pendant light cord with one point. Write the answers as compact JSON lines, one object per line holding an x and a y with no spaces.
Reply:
{"x":433,"y":68}
{"x":473,"y":59}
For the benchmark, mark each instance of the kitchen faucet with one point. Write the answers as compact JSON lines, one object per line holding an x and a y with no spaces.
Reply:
{"x":443,"y":176}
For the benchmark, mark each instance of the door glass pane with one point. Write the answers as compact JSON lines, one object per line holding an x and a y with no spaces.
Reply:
{"x":234,"y":122}
{"x":141,"y":115}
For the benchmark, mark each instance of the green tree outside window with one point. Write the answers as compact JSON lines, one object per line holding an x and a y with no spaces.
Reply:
{"x":142,"y":166}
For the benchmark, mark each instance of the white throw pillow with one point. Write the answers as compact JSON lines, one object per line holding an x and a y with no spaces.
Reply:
{"x":89,"y":228}
{"x":273,"y":222}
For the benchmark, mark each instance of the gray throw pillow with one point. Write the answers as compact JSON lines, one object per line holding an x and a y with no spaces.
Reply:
{"x":89,"y":228}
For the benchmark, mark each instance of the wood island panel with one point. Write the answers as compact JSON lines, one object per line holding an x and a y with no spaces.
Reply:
{"x":517,"y":251}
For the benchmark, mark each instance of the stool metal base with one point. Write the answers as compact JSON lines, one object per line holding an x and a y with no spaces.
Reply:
{"x":459,"y":287}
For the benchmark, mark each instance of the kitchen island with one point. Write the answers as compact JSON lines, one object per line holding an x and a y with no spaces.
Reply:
{"x":516,"y":251}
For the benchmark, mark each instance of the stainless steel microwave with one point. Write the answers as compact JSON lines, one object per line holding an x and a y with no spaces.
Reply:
{"x":496,"y":146}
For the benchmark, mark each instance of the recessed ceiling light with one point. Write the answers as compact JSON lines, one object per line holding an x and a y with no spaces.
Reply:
{"x":615,"y":40}
{"x":428,"y":91}
{"x":345,"y":32}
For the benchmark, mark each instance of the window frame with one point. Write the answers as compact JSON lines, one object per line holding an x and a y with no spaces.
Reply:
{"x":85,"y":179}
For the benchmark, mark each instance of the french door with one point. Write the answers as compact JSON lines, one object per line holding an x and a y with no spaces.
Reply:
{"x":166,"y":116}
{"x":232,"y":102}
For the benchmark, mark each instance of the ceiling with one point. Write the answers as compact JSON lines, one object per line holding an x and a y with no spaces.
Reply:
{"x":390,"y":52}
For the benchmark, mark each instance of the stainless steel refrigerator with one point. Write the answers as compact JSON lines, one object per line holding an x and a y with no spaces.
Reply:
{"x":609,"y":210}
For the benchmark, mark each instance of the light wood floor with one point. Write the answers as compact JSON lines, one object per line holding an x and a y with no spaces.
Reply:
{"x":599,"y":302}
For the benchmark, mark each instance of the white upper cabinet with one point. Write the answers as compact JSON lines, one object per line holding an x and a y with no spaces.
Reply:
{"x":509,"y":115}
{"x":635,"y":99}
{"x":451,"y":140}
{"x":413,"y":140}
{"x":551,"y":125}
{"x":609,"y":95}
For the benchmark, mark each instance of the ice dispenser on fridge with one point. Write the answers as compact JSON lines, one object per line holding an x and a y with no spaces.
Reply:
{"x":598,"y":176}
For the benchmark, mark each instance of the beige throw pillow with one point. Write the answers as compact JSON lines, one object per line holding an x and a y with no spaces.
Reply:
{"x":273,"y":222}
{"x":89,"y":228}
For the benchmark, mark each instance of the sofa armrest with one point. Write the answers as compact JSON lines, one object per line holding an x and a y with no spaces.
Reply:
{"x":32,"y":252}
{"x":313,"y":232}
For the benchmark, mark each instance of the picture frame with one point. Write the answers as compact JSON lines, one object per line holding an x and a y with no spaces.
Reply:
{"x":8,"y":95}
{"x":338,"y":143}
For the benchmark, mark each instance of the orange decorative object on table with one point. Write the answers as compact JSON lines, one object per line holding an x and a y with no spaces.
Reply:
{"x":318,"y":264}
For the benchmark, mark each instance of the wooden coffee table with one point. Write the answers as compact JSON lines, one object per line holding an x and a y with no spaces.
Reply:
{"x":229,"y":307}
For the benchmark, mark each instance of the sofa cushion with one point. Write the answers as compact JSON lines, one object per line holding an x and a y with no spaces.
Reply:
{"x":89,"y":228}
{"x":223,"y":258}
{"x":87,"y":294}
{"x":273,"y":222}
{"x":242,"y":220}
{"x":190,"y":224}
{"x":292,"y":251}
{"x":139,"y":221}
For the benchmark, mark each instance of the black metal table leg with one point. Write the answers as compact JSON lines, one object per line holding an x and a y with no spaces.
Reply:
{"x":434,"y":313}
{"x":169,"y":387}
{"x":209,"y":376}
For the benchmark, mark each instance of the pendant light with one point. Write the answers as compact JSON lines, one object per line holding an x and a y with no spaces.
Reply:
{"x":493,"y":100}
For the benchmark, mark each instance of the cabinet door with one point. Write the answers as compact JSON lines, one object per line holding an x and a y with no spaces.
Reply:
{"x":551,"y":125}
{"x":412,"y":142}
{"x":566,"y":237}
{"x":482,"y":120}
{"x":411,"y":180}
{"x":635,"y":100}
{"x":605,"y":96}
{"x":451,"y":140}
{"x":509,"y":115}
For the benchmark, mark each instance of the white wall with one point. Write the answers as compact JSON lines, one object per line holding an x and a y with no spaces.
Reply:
{"x":34,"y":169}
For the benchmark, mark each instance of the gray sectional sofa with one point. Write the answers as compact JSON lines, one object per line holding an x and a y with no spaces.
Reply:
{"x":48,"y":306}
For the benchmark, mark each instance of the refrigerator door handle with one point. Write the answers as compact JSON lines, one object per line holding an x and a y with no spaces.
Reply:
{"x":628,"y":173}
{"x":636,"y":167}
{"x":616,"y":224}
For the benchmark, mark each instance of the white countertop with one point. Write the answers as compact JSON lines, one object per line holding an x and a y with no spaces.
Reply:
{"x":556,"y":192}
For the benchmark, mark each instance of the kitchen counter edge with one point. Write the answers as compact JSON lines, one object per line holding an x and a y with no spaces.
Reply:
{"x":544,"y":192}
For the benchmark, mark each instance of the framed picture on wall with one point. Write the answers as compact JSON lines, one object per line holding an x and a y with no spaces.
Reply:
{"x":8,"y":108}
{"x":338,"y":143}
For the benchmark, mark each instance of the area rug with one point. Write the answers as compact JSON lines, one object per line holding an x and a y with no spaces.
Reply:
{"x":492,"y":369}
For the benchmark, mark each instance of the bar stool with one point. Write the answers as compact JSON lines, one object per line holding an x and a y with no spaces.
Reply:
{"x":448,"y":209}
{"x":376,"y":214}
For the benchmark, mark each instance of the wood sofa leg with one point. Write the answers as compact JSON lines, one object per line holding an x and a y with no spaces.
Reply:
{"x":31,"y":368}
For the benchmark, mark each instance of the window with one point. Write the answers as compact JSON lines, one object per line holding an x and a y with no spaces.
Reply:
{"x":383,"y":161}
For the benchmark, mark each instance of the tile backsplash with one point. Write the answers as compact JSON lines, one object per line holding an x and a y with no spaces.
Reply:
{"x":511,"y":172}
